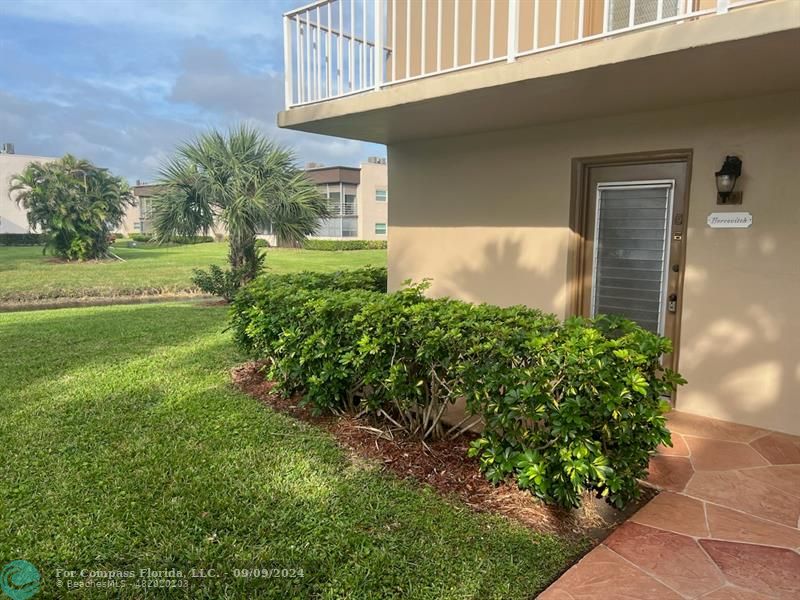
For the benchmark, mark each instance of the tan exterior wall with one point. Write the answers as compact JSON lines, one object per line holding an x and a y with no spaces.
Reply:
{"x":486,"y":216}
{"x":12,"y":218}
{"x":370,"y":211}
{"x":132,"y":218}
{"x":135,"y":221}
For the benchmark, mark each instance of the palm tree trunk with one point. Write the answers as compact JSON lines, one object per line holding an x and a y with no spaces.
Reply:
{"x":244,"y":257}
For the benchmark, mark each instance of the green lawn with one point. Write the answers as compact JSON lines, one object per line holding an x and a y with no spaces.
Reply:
{"x":26,"y":275}
{"x":123,"y":446}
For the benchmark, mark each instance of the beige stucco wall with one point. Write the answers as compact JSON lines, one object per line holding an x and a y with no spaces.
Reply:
{"x":486,"y":216}
{"x":131,"y":219}
{"x":12,"y":218}
{"x":374,"y":176}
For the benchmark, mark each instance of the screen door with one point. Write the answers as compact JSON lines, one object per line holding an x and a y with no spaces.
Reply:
{"x":631,"y":251}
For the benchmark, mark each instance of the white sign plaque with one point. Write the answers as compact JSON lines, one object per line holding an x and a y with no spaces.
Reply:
{"x":730,"y":220}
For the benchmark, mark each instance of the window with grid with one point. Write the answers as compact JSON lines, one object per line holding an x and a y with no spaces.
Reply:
{"x":644,"y":11}
{"x":145,"y":208}
{"x":350,"y":204}
{"x":349,"y":227}
{"x":381,"y":195}
{"x":380,"y":228}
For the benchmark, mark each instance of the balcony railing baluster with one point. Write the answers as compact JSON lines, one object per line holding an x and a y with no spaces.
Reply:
{"x":313,"y":75}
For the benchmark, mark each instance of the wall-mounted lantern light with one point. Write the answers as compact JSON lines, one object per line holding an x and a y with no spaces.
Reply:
{"x":726,"y":181}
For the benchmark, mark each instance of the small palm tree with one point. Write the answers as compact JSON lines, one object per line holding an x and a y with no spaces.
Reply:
{"x":243,"y":181}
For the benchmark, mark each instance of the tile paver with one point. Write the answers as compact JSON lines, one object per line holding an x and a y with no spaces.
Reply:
{"x":672,"y":558}
{"x":771,"y":571}
{"x":736,"y":526}
{"x":670,"y":472}
{"x":724,"y":527}
{"x":678,"y":448}
{"x":674,"y":512}
{"x":783,"y":477}
{"x":779,"y":448}
{"x":734,"y":490}
{"x":721,"y":455}
{"x":605,"y":574}
{"x":731,"y":592}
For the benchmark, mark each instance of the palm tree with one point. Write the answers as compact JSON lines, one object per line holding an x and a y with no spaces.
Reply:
{"x":75,"y":204}
{"x":245,"y":182}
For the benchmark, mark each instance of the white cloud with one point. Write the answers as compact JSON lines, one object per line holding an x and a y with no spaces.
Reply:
{"x":212,"y":18}
{"x":127,"y":106}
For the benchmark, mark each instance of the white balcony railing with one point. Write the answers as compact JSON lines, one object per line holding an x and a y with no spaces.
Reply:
{"x":335,"y":48}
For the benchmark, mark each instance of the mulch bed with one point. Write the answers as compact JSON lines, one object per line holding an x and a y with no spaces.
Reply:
{"x":443,"y":465}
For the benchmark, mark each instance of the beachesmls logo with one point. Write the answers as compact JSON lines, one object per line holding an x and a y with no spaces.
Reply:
{"x":20,"y":580}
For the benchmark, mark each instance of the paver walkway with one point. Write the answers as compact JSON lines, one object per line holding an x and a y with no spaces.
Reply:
{"x":724,"y":527}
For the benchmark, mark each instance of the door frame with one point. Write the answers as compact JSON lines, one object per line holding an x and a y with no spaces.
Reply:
{"x":579,"y":273}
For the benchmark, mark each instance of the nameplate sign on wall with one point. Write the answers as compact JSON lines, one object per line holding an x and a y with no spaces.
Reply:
{"x":730,"y":220}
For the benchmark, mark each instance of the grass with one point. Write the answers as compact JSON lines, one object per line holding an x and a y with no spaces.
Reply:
{"x":145,"y":456}
{"x":26,"y":275}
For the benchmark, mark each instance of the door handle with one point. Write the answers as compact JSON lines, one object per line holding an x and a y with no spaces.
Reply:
{"x":672,"y":305}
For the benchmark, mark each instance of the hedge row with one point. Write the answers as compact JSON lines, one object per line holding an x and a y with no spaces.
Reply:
{"x":333,"y":245}
{"x":568,"y":406}
{"x":21,"y":239}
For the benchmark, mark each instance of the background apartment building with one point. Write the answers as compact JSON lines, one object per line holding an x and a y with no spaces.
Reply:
{"x":13,"y":219}
{"x":358,"y":198}
{"x":138,"y":217}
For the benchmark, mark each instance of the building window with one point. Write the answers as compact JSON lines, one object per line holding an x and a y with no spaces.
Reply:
{"x":335,"y":203}
{"x":349,"y":227}
{"x":343,"y":206}
{"x":329,"y":228}
{"x":381,"y":195}
{"x":380,"y":228}
{"x":350,"y":204}
{"x":145,"y":208}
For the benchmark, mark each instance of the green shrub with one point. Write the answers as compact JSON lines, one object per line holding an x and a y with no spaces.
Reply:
{"x":579,"y":407}
{"x":217,"y":281}
{"x":146,"y":238}
{"x":335,"y":245}
{"x":567,"y":407}
{"x":262,"y":243}
{"x":21,"y":239}
{"x":191,"y":239}
{"x":254,"y":303}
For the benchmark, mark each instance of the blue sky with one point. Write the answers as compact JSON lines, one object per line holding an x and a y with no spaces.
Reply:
{"x":123,"y":82}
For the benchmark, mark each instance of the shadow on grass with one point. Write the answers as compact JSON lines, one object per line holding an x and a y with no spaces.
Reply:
{"x":186,"y":472}
{"x":152,"y":252}
{"x":47,"y":344}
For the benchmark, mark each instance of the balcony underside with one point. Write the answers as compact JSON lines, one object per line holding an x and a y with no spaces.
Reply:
{"x":748,"y":52}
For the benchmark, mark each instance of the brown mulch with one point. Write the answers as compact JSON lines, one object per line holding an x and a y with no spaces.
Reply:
{"x":444,"y":465}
